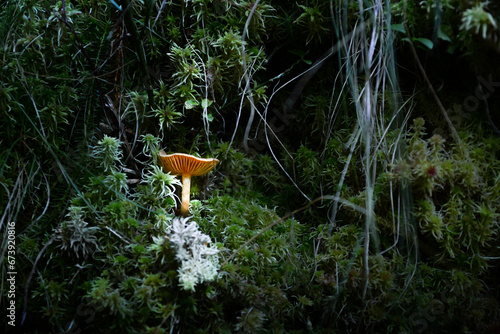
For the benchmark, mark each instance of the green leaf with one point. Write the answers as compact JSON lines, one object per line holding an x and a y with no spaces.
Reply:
{"x":301,"y":54}
{"x":190,"y":104}
{"x":443,"y":35}
{"x":120,"y":259}
{"x":398,"y":27}
{"x":297,"y":52}
{"x":425,"y":41}
{"x":205,"y":103}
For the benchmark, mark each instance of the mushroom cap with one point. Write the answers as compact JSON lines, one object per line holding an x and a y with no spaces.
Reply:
{"x":185,"y":164}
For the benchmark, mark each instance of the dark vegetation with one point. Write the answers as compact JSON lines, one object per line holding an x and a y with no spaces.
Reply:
{"x":358,"y":188}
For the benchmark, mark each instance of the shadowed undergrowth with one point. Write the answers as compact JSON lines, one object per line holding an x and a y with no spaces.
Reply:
{"x":357,"y":189}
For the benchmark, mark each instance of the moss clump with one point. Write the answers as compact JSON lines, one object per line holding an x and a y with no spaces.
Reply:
{"x":326,"y":213}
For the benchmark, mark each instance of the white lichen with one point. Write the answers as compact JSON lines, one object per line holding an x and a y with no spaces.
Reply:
{"x":198,"y":257}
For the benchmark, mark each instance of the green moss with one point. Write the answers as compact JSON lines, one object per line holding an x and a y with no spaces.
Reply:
{"x":336,"y":217}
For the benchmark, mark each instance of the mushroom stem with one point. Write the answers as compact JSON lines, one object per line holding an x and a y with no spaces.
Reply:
{"x":186,"y":186}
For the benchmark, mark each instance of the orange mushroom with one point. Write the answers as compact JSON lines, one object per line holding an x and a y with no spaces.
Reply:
{"x":187,"y":166}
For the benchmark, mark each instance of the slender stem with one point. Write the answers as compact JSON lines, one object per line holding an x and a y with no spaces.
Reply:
{"x":186,"y":188}
{"x":138,"y":44}
{"x":247,"y":78}
{"x":26,"y":287}
{"x":454,"y":132}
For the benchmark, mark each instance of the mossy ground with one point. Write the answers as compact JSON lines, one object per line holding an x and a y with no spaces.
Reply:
{"x":358,"y":198}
